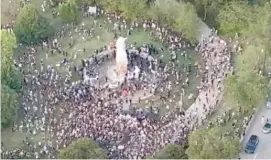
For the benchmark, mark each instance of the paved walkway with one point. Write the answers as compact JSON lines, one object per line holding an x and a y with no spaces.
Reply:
{"x":203,"y":31}
{"x":213,"y":94}
{"x":263,"y":150}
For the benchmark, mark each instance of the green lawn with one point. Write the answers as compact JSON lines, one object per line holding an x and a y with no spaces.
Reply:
{"x":12,"y":139}
{"x":9,"y":10}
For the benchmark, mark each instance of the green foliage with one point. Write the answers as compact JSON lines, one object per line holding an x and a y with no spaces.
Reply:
{"x":235,"y":17}
{"x":85,"y":2}
{"x":111,"y":5}
{"x":247,"y":88}
{"x":10,"y":79}
{"x":133,"y":9}
{"x":209,"y":144}
{"x":8,"y":43}
{"x":172,"y":151}
{"x":182,"y":16}
{"x":187,"y":21}
{"x":165,"y":11}
{"x":251,"y":58}
{"x":208,"y":9}
{"x":83,"y":148}
{"x":179,"y":15}
{"x":260,"y":30}
{"x":31,"y":27}
{"x":69,"y":13}
{"x":9,"y":105}
{"x":57,"y":1}
{"x":9,"y":75}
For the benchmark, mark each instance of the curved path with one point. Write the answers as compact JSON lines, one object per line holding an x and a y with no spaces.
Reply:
{"x":210,"y":97}
{"x":203,"y":31}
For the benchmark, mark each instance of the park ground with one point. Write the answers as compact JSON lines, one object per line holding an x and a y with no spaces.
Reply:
{"x":15,"y":139}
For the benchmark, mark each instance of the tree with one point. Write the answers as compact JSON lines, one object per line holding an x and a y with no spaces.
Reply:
{"x":111,"y":5}
{"x":172,"y":151}
{"x":8,"y":43}
{"x":248,"y":88}
{"x":179,"y":15}
{"x":260,"y":30}
{"x":164,"y":11}
{"x":251,"y":59}
{"x":83,"y":148}
{"x":235,"y":17}
{"x":9,"y":75}
{"x":31,"y":27}
{"x":208,"y":10}
{"x":209,"y":144}
{"x":133,"y":9}
{"x":68,"y":12}
{"x":10,"y":79}
{"x":86,"y":2}
{"x":56,"y":2}
{"x":206,"y":6}
{"x":187,"y":21}
{"x":9,"y":105}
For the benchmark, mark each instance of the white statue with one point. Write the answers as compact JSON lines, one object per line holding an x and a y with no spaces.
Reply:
{"x":121,"y":58}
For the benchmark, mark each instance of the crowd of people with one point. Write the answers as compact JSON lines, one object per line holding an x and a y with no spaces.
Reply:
{"x":62,"y":110}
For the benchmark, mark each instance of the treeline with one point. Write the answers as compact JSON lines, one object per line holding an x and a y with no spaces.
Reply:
{"x":10,"y":79}
{"x":30,"y":28}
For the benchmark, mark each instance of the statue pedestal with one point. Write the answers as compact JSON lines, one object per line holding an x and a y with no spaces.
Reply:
{"x":114,"y":80}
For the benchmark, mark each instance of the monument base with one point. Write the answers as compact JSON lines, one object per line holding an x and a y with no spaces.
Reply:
{"x":114,"y":80}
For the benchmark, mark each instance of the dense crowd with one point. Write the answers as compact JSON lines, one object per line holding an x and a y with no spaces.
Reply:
{"x":62,"y":109}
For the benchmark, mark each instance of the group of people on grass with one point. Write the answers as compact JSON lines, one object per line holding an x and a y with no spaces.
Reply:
{"x":58,"y":108}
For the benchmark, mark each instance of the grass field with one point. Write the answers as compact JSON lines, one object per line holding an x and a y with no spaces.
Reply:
{"x":9,"y":10}
{"x":14,"y":139}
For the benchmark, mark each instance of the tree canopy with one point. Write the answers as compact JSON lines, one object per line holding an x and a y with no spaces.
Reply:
{"x":68,"y":12}
{"x":86,"y":2}
{"x":172,"y":151}
{"x":10,"y":79}
{"x":235,"y":17}
{"x":209,"y":144}
{"x":133,"y":9}
{"x":8,"y":43}
{"x":9,"y":105}
{"x":111,"y":6}
{"x":165,"y":12}
{"x":247,"y":88}
{"x":260,"y":30}
{"x":181,"y":16}
{"x":31,"y":27}
{"x":187,"y":21}
{"x":9,"y":74}
{"x":83,"y":148}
